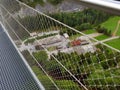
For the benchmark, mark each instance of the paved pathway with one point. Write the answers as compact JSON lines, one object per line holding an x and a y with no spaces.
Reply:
{"x":94,"y":35}
{"x":105,"y":40}
{"x":109,"y":39}
{"x":117,"y":28}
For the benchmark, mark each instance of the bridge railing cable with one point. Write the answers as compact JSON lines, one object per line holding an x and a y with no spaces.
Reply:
{"x":62,"y":57}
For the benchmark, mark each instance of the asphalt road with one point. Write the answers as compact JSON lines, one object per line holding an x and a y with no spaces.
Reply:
{"x":14,"y":75}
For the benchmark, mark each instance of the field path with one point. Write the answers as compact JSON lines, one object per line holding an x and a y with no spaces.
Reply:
{"x":117,"y":28}
{"x":94,"y":35}
{"x":109,"y":39}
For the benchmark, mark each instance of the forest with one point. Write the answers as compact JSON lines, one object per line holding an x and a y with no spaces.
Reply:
{"x":41,"y":2}
{"x":87,"y":19}
{"x":90,"y":68}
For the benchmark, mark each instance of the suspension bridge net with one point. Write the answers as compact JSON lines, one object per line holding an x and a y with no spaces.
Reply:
{"x":62,"y":57}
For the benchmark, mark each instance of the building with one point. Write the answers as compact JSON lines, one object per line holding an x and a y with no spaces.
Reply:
{"x":84,"y":42}
{"x":66,"y":35}
{"x":33,"y":34}
{"x":89,"y":48}
{"x":83,"y":38}
{"x":84,"y":49}
{"x":39,"y":47}
{"x":76,"y":42}
{"x":50,"y":40}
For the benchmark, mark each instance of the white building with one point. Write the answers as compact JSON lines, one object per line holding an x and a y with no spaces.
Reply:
{"x":33,"y":34}
{"x":66,"y":35}
{"x":89,"y":48}
{"x":83,"y":38}
{"x":50,"y":40}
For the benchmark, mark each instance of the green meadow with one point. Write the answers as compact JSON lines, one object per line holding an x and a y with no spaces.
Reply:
{"x":114,"y":43}
{"x":111,"y":24}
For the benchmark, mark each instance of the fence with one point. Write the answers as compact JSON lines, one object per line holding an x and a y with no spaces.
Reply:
{"x":62,"y":57}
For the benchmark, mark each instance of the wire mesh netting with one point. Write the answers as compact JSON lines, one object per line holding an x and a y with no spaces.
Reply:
{"x":62,"y":57}
{"x":14,"y":75}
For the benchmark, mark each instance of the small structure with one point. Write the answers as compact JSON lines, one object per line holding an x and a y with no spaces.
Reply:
{"x":83,"y":38}
{"x":89,"y":48}
{"x":76,"y":42}
{"x":67,"y":50}
{"x":66,"y":35}
{"x":50,"y":40}
{"x":39,"y":47}
{"x":84,"y":49}
{"x":31,"y":47}
{"x":59,"y":47}
{"x":84,"y":42}
{"x":33,"y":34}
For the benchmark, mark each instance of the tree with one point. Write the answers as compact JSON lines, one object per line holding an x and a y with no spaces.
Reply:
{"x":41,"y":57}
{"x":67,"y":85}
{"x":75,"y":19}
{"x":55,"y":2}
{"x":84,"y":26}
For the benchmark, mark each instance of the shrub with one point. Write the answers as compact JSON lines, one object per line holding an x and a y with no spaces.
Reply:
{"x":55,"y":2}
{"x":67,"y":85}
{"x":41,"y":56}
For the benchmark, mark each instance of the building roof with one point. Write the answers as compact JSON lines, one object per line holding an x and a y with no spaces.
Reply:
{"x":33,"y":34}
{"x":83,"y":38}
{"x":76,"y":42}
{"x":50,"y":40}
{"x":66,"y":35}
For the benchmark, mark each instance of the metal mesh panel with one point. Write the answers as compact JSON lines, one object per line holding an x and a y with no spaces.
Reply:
{"x":62,"y":57}
{"x":14,"y":74}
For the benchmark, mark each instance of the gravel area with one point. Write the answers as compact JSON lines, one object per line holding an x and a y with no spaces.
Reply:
{"x":65,"y":6}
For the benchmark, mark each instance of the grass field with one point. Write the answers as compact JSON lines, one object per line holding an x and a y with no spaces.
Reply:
{"x":89,"y":31}
{"x":114,"y":43}
{"x":111,"y":24}
{"x":101,"y":37}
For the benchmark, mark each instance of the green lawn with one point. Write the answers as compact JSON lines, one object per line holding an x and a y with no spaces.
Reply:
{"x":89,"y":31}
{"x":51,"y":48}
{"x":101,"y":37}
{"x":29,"y":41}
{"x":114,"y":43}
{"x":111,"y":24}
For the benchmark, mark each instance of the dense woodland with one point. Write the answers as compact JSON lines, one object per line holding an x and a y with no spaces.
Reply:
{"x":87,"y":19}
{"x":55,"y":2}
{"x":41,"y":2}
{"x":43,"y":60}
{"x":90,"y":68}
